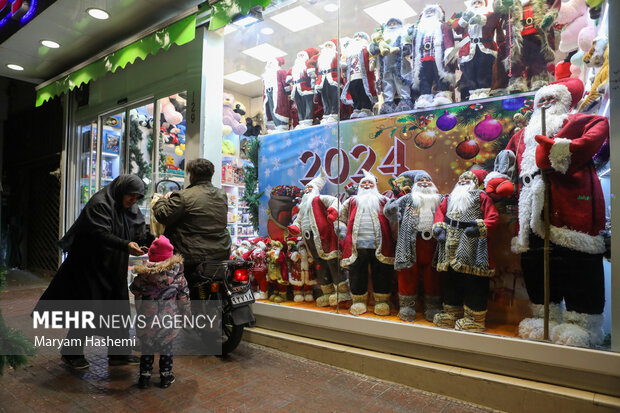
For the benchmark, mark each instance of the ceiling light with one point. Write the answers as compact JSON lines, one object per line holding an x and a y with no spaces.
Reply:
{"x":297,"y":19}
{"x":245,"y":21}
{"x":98,"y":13}
{"x":51,"y":44}
{"x":254,"y":15}
{"x":14,"y":67}
{"x":382,"y":12}
{"x":266,"y":30}
{"x":330,"y":7}
{"x":241,"y":77}
{"x":264,"y":52}
{"x":229,"y":29}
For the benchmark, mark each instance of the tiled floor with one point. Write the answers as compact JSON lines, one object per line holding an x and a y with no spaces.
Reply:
{"x":252,"y":379}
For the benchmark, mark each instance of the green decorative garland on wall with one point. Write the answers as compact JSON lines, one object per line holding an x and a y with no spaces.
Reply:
{"x":251,"y":195}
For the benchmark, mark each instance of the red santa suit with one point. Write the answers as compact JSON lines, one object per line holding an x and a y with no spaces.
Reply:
{"x":302,"y":276}
{"x":259,"y":267}
{"x":302,"y":90}
{"x":360,"y":87}
{"x":577,"y":215}
{"x":275,"y":96}
{"x":327,"y":78}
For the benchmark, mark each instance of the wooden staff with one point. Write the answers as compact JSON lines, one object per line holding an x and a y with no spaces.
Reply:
{"x":547,"y":230}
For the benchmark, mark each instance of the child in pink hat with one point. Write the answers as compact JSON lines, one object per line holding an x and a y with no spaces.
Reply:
{"x":162,"y":290}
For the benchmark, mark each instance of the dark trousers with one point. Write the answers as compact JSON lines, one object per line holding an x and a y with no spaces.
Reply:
{"x":359,"y":96}
{"x":327,"y":271}
{"x":305,"y":105}
{"x":381,"y":273}
{"x":576,"y":277}
{"x":465,"y":289}
{"x":148,"y":358}
{"x":271,"y":106}
{"x":478,"y":72}
{"x":331,"y":98}
{"x":429,"y":76}
{"x":532,"y":61}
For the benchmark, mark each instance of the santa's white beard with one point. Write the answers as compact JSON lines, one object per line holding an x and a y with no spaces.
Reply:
{"x":390,"y":34}
{"x":305,"y":206}
{"x":429,"y":26}
{"x":326,"y":57}
{"x":355,"y":46}
{"x":368,"y":200}
{"x":460,"y":200}
{"x":426,"y":199}
{"x":299,"y":68}
{"x":269,"y":77}
{"x":481,"y":10}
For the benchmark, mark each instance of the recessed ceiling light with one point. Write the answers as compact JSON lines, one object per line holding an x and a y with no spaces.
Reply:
{"x":14,"y":66}
{"x":330,"y":7}
{"x":51,"y":44}
{"x":98,"y":13}
{"x":245,"y":21}
{"x":229,"y":29}
{"x":264,"y":52}
{"x":241,"y":77}
{"x":382,"y":12}
{"x":297,"y":19}
{"x":266,"y":30}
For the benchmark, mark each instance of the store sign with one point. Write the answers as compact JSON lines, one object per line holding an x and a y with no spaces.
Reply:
{"x":18,"y":10}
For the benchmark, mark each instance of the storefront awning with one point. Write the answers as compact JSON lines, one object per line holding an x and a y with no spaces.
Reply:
{"x":178,"y":33}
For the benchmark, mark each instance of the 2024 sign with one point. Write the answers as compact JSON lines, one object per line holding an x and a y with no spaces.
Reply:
{"x":393,"y":164}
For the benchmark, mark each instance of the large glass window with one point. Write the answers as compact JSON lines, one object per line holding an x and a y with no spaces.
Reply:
{"x":427,"y":121}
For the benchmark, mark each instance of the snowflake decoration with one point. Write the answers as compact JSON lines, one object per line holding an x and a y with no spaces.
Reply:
{"x":288,"y":143}
{"x":276,"y":164}
{"x":290,"y":172}
{"x":354,"y":140}
{"x":272,"y":148}
{"x":268,"y":189}
{"x":267,"y":172}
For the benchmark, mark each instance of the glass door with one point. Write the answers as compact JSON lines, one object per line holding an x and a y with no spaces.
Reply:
{"x":87,"y":163}
{"x":141,"y":149}
{"x":111,"y":162}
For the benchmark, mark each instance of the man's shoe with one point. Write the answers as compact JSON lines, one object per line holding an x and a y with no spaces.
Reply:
{"x":123,"y":360}
{"x":143,"y":381}
{"x":76,"y":362}
{"x":166,"y":381}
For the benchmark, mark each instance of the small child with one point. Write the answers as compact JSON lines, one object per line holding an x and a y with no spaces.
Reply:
{"x":161,"y":289}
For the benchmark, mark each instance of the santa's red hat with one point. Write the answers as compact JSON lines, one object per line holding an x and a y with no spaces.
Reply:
{"x":568,"y":91}
{"x":438,"y":9}
{"x":562,"y":70}
{"x":332,"y":41}
{"x":311,"y":51}
{"x":476,"y":175}
{"x":280,"y":61}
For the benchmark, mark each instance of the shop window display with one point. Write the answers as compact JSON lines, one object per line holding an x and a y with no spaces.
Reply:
{"x":404,"y":160}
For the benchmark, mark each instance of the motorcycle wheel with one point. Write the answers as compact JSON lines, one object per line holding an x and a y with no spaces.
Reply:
{"x":231,"y":334}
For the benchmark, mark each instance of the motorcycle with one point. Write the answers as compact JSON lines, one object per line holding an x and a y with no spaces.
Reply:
{"x":228,"y":282}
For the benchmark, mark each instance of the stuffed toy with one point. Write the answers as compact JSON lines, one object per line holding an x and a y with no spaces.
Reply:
{"x":276,"y":107}
{"x":277,"y":271}
{"x":228,"y":147}
{"x":252,"y":128}
{"x":597,"y":56}
{"x":573,"y":17}
{"x":301,"y":270}
{"x":595,"y":8}
{"x":231,"y":120}
{"x":324,"y":66}
{"x":258,"y":256}
{"x":302,"y":92}
{"x":360,"y":86}
{"x":384,"y":47}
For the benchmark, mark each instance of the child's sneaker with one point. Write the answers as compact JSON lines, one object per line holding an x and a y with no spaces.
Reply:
{"x":143,"y":381}
{"x":166,"y":381}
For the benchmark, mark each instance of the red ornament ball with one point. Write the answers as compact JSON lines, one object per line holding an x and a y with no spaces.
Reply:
{"x":488,"y":129}
{"x":425,"y":139}
{"x":467,"y":149}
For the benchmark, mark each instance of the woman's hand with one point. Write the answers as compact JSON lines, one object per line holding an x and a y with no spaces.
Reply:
{"x":134,"y":249}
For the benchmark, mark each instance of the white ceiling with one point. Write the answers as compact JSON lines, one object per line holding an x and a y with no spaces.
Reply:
{"x":80,"y":36}
{"x":352,"y":19}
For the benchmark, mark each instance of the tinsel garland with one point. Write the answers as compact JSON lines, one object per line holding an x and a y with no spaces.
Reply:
{"x":14,"y":345}
{"x":251,"y":195}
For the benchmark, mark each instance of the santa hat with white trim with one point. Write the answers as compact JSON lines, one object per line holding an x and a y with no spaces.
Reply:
{"x":319,"y":181}
{"x":568,"y":91}
{"x":368,"y":177}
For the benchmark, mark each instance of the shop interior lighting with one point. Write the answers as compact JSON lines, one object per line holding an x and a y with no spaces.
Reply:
{"x":330,"y":7}
{"x":229,"y":29}
{"x":255,"y":15}
{"x":297,"y":19}
{"x":98,"y":14}
{"x":13,"y":66}
{"x":382,"y":12}
{"x":50,"y":43}
{"x":264,"y":52}
{"x":267,"y":30}
{"x":241,"y":77}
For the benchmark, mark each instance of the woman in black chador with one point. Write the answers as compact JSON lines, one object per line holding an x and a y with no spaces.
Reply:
{"x":108,"y":229}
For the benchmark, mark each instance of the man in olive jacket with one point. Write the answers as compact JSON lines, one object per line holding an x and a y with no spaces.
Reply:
{"x":195,"y":218}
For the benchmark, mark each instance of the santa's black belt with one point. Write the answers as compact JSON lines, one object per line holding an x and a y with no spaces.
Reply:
{"x":425,"y":235}
{"x":326,"y":71}
{"x":528,"y":178}
{"x":480,"y":40}
{"x":303,"y":79}
{"x":455,"y":223}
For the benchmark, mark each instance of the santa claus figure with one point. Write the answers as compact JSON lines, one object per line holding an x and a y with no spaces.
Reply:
{"x":275,"y":96}
{"x":531,"y":41}
{"x":302,"y":91}
{"x":277,"y":271}
{"x":316,"y":221}
{"x":301,"y":270}
{"x":395,"y":71}
{"x":432,"y":43}
{"x":368,"y":243}
{"x":463,"y":222}
{"x":327,"y":79}
{"x":577,"y":215}
{"x":415,"y":246}
{"x":479,"y":27}
{"x":258,"y":256}
{"x":359,"y":89}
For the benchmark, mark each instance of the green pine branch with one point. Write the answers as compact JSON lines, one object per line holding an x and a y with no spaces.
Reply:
{"x":251,"y":195}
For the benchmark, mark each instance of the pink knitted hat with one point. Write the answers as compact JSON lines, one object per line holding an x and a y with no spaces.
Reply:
{"x":161,"y":249}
